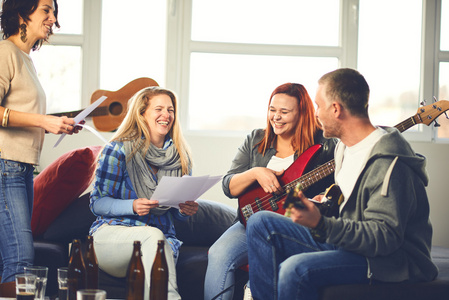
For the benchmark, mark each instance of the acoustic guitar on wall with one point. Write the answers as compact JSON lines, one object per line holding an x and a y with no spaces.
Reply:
{"x":110,"y":114}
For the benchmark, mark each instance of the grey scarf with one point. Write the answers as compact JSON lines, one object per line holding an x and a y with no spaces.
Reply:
{"x":167,"y":161}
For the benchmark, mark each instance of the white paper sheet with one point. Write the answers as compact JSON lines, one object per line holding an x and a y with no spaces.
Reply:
{"x":82,"y":115}
{"x":174,"y":190}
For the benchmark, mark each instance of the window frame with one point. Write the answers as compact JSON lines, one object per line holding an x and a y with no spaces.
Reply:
{"x":180,"y":46}
{"x":439,"y":57}
{"x":89,"y":41}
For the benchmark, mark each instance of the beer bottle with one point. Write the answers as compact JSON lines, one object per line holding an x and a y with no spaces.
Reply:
{"x":159,"y":274}
{"x":135,"y":278}
{"x":76,"y":273}
{"x":91,"y":265}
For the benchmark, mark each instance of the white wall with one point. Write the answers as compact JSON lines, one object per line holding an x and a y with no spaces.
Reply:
{"x":213,"y":155}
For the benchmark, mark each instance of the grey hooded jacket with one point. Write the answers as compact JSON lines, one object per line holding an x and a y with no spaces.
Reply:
{"x":386,"y":218}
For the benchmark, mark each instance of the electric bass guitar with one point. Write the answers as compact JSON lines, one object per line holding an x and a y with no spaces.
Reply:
{"x":109,"y":115}
{"x":255,"y":199}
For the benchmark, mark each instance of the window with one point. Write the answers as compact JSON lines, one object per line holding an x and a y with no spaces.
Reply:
{"x":58,"y":63}
{"x":281,"y":22}
{"x":239,"y":51}
{"x":443,"y":130}
{"x":224,"y":58}
{"x":232,"y":54}
{"x":443,"y":92}
{"x":389,"y":56}
{"x":101,"y":45}
{"x":59,"y":71}
{"x":444,"y":42}
{"x":133,"y":42}
{"x":231,"y":91}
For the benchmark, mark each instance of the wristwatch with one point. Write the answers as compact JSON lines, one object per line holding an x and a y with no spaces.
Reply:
{"x":319,"y":232}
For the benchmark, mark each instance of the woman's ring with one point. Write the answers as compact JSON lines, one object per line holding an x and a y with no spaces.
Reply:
{"x":67,"y":128}
{"x":272,"y":185}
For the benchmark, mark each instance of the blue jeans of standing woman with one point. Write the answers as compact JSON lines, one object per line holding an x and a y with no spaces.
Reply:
{"x":285,"y":262}
{"x":16,"y":205}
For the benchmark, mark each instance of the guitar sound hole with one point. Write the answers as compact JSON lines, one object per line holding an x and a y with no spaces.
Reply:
{"x":115,"y":108}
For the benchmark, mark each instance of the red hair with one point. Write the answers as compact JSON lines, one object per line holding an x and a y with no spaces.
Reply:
{"x":307,"y":125}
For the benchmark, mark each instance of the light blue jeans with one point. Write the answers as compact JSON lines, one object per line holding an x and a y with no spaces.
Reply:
{"x":286,"y":263}
{"x":16,"y":206}
{"x":226,"y":255}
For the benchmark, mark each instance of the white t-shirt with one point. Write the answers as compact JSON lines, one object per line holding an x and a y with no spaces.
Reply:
{"x":354,"y":161}
{"x":278,"y":164}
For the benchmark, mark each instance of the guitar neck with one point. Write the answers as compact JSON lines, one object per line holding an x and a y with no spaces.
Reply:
{"x":328,"y":168}
{"x":99,"y":111}
{"x":313,"y":176}
{"x":406,"y":124}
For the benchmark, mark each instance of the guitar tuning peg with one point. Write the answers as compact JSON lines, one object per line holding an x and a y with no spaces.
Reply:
{"x":436,"y":124}
{"x":446,"y":115}
{"x":423,"y":102}
{"x":435,"y":99}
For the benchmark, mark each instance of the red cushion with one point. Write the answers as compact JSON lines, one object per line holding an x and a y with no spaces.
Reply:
{"x":60,"y":183}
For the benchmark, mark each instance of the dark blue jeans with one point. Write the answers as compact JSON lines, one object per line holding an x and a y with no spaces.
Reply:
{"x":16,"y":205}
{"x":285,"y":262}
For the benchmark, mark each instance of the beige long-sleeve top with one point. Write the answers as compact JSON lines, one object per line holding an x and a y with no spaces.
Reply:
{"x":20,"y":90}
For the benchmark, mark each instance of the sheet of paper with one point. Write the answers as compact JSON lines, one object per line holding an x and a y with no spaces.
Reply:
{"x":82,"y":115}
{"x":174,"y":190}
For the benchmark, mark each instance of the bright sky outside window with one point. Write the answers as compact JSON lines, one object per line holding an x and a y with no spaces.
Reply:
{"x":285,"y":22}
{"x":390,"y":56}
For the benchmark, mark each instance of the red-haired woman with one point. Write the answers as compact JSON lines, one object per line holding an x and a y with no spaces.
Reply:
{"x":291,"y":129}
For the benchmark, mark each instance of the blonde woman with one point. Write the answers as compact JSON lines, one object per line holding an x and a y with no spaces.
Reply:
{"x":147,"y":146}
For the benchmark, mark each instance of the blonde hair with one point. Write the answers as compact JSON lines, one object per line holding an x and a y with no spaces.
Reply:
{"x":134,"y":125}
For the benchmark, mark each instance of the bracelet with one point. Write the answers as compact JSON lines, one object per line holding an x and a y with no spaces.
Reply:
{"x":319,"y":232}
{"x":5,"y":117}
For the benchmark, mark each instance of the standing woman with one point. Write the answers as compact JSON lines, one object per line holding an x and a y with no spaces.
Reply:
{"x":147,"y":146}
{"x":291,"y":129}
{"x":26,"y":24}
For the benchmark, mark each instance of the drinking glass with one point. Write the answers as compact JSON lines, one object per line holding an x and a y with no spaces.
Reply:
{"x":25,"y":286}
{"x":41,"y":280}
{"x":91,"y":294}
{"x":62,"y":283}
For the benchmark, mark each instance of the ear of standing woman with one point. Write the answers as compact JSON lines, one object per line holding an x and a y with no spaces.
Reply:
{"x":26,"y":24}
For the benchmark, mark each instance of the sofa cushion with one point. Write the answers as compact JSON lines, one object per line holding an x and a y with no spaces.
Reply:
{"x":59,"y":184}
{"x":73,"y":222}
{"x":207,"y":225}
{"x":53,"y":256}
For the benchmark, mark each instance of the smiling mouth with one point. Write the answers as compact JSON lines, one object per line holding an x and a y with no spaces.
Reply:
{"x":162,"y":123}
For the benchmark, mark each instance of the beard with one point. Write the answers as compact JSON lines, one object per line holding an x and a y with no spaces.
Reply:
{"x":331,"y":130}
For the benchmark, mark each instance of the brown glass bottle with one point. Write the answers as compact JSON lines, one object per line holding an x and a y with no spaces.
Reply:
{"x":76,"y":273}
{"x":91,"y":263}
{"x":135,"y":278}
{"x":159,"y":274}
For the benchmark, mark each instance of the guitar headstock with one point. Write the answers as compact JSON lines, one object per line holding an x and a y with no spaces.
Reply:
{"x":427,"y":114}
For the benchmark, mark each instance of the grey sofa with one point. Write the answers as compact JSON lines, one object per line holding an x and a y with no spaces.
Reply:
{"x":198,"y":234}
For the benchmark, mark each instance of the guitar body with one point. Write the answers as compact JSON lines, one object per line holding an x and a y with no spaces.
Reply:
{"x":110,"y":114}
{"x":329,"y":205}
{"x":255,"y":199}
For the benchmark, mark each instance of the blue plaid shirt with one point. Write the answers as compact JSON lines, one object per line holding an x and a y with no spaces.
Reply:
{"x":112,"y":197}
